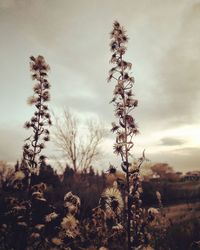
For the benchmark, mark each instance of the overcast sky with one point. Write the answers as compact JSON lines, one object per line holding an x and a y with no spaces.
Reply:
{"x":73,"y":36}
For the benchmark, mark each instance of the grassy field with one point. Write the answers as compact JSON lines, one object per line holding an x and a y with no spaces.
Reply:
{"x":178,"y":228}
{"x":182,"y":212}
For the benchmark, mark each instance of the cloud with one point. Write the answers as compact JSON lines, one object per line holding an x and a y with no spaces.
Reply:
{"x":167,"y":141}
{"x":184,"y":159}
{"x":179,"y":90}
{"x":187,"y":158}
{"x":7,"y":4}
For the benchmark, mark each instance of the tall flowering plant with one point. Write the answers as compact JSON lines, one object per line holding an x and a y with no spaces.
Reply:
{"x":41,"y":119}
{"x":125,"y":128}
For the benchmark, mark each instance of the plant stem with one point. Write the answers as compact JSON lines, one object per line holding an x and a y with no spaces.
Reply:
{"x":127,"y":167}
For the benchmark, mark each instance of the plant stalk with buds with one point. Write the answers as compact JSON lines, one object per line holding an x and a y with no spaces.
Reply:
{"x":124,"y":103}
{"x":41,"y":118}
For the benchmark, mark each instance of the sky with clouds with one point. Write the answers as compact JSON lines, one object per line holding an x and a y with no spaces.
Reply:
{"x":73,"y":36}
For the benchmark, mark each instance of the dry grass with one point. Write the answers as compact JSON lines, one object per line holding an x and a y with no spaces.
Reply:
{"x":180,"y":212}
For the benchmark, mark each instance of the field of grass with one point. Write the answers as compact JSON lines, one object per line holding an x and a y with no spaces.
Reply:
{"x":179,"y":228}
{"x":182,"y":212}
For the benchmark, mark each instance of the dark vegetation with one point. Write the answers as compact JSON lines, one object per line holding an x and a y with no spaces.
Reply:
{"x":89,"y":185}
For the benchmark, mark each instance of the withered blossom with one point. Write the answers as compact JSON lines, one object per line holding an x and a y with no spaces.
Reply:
{"x":19,"y":175}
{"x":57,"y":241}
{"x":114,"y":127}
{"x":39,"y":226}
{"x":113,"y":198}
{"x":51,"y":216}
{"x":72,"y":203}
{"x":112,"y":169}
{"x":69,"y":227}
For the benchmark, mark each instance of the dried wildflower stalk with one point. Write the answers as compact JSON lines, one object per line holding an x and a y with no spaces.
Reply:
{"x":41,"y":118}
{"x":125,"y":128}
{"x":105,"y":227}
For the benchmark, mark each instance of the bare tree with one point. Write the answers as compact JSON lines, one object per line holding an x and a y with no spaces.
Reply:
{"x":81,"y":150}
